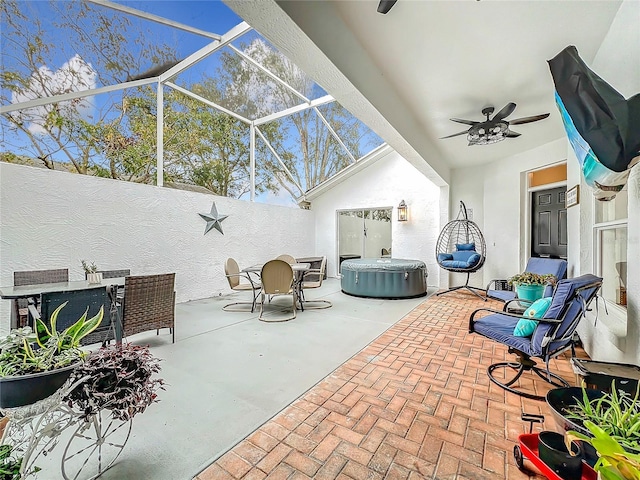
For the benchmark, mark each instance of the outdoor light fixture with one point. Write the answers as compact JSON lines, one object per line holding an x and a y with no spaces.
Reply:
{"x":402,"y":212}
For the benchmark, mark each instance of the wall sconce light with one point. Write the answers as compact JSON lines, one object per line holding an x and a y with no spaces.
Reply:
{"x":402,"y":212}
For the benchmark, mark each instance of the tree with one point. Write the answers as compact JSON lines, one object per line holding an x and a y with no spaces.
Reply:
{"x":315,"y":155}
{"x":64,"y":132}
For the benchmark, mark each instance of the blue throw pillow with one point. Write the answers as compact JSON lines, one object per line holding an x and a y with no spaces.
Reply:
{"x":526,"y":326}
{"x":465,"y":246}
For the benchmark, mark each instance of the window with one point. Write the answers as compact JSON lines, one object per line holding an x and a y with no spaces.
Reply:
{"x":611,"y":247}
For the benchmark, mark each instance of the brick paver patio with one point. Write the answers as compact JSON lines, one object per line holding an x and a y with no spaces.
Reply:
{"x":416,"y":403}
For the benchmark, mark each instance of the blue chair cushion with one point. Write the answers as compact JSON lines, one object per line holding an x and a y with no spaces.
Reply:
{"x":444,"y":256}
{"x":500,"y":327}
{"x":504,"y":295}
{"x":526,"y":326}
{"x":464,"y":259}
{"x":554,"y":266}
{"x":460,"y":247}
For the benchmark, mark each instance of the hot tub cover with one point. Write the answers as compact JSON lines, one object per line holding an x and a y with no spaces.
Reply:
{"x":383,"y":264}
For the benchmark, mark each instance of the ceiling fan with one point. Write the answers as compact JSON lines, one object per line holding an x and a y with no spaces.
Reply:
{"x":495,"y":129}
{"x":385,"y":5}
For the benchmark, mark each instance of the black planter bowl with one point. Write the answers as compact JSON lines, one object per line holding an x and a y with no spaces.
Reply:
{"x":561,"y":401}
{"x":24,"y":390}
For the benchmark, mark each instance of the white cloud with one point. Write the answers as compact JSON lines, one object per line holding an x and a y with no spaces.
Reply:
{"x":73,"y":76}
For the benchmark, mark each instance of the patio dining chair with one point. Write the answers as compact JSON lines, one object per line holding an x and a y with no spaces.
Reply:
{"x":313,"y":279}
{"x":277,"y":279}
{"x":149,"y":304}
{"x":235,"y":277}
{"x":287,"y":258}
{"x":20,"y":314}
{"x":546,"y":338}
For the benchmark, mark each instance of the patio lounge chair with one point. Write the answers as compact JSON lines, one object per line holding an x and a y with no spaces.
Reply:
{"x":277,"y":279}
{"x":552,"y":335}
{"x":149,"y":304}
{"x":540,"y":265}
{"x":33,"y":277}
{"x":234,"y":276}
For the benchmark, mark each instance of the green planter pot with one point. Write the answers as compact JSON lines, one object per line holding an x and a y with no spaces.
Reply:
{"x":530,"y":292}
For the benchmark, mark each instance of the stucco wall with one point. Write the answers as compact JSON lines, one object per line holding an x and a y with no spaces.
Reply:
{"x":384,"y":184}
{"x":51,"y":219}
{"x":494,"y":193}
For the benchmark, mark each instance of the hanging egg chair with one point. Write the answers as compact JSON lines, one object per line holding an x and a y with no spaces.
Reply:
{"x":461,"y":249}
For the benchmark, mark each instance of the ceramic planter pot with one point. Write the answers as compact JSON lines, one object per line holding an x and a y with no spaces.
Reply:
{"x":94,"y":277}
{"x":27,"y":389}
{"x":530,"y":292}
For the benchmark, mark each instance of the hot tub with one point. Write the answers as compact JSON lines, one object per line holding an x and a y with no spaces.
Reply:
{"x":384,"y":278}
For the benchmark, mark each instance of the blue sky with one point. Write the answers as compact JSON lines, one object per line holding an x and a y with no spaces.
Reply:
{"x":212,"y":16}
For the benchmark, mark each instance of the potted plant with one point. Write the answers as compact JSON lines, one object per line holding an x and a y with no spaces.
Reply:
{"x":34,"y":364}
{"x":530,"y":286}
{"x":117,"y":378}
{"x":612,"y":422}
{"x":91,"y":271}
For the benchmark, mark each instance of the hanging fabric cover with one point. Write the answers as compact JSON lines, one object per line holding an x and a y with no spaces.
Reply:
{"x":602,"y":126}
{"x":461,"y":248}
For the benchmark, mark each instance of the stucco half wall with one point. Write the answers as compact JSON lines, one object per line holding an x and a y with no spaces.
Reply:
{"x":384,"y":183}
{"x":52,"y":219}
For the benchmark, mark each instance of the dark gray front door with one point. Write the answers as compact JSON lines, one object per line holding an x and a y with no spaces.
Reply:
{"x":549,"y":223}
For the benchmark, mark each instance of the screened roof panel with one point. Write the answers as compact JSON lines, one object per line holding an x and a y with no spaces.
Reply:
{"x":214,"y":17}
{"x":261,"y":50}
{"x":88,"y":46}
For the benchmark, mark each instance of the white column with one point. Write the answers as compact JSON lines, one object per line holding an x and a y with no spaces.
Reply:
{"x":252,"y":160}
{"x":160,"y":136}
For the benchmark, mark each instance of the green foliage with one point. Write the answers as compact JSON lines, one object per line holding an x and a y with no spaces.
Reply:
{"x":615,"y":463}
{"x":9,"y":465}
{"x":528,"y":278}
{"x":617,"y":413}
{"x":89,"y":268}
{"x":23,"y":351}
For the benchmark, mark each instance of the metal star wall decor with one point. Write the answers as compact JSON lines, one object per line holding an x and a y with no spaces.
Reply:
{"x":213,"y":219}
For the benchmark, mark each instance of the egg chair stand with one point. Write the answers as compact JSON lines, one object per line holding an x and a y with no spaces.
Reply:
{"x":461,"y":248}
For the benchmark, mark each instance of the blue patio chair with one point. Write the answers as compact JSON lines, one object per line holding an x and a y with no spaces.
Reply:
{"x":540,"y":265}
{"x":551,"y":337}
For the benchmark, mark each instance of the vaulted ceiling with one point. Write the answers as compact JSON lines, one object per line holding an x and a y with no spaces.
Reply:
{"x":408,"y":72}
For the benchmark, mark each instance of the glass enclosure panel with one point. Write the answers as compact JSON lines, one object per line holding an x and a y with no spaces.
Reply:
{"x":260,"y":49}
{"x":110,"y":135}
{"x":613,"y":264}
{"x":76,"y":45}
{"x":350,"y":235}
{"x":615,"y":209}
{"x":358,"y":138}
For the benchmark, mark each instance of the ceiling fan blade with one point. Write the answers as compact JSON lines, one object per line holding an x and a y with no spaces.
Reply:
{"x":505,"y":112}
{"x":456,"y":134}
{"x":533,"y":118}
{"x":385,"y":5}
{"x":512,"y":134}
{"x":466,"y":122}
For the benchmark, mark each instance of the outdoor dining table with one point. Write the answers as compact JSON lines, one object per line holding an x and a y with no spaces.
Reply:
{"x":33,"y":292}
{"x":299,"y":270}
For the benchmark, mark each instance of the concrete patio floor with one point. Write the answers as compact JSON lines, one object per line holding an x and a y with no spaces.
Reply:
{"x":228,"y":373}
{"x":416,"y":403}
